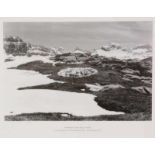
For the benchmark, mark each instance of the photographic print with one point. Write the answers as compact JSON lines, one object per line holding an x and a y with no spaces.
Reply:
{"x":77,"y":71}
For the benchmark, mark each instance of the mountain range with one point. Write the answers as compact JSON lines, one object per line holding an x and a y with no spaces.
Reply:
{"x":16,"y":46}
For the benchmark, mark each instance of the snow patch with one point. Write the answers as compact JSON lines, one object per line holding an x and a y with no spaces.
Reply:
{"x":137,"y":77}
{"x":98,"y":87}
{"x":18,"y":60}
{"x":94,"y":87}
{"x":78,"y":51}
{"x":37,"y":52}
{"x":130,"y":71}
{"x":112,"y":86}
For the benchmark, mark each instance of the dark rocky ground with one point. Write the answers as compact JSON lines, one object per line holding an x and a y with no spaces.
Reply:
{"x":126,"y":100}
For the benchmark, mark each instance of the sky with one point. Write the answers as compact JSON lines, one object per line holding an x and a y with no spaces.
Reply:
{"x":85,"y":35}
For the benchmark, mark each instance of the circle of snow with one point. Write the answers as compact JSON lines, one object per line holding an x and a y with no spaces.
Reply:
{"x":77,"y":72}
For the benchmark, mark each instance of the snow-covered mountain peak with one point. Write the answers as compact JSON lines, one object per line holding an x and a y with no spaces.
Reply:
{"x":111,"y":46}
{"x":117,"y":51}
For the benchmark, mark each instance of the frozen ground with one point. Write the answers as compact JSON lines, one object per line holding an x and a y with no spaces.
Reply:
{"x":15,"y":101}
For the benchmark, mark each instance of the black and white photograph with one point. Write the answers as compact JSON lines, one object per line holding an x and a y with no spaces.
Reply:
{"x":77,"y":71}
{"x":77,"y":77}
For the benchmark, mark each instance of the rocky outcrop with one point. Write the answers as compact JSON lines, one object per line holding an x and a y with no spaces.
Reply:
{"x":147,"y":63}
{"x":72,"y":57}
{"x":125,"y":100}
{"x":143,"y":89}
{"x":16,"y":46}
